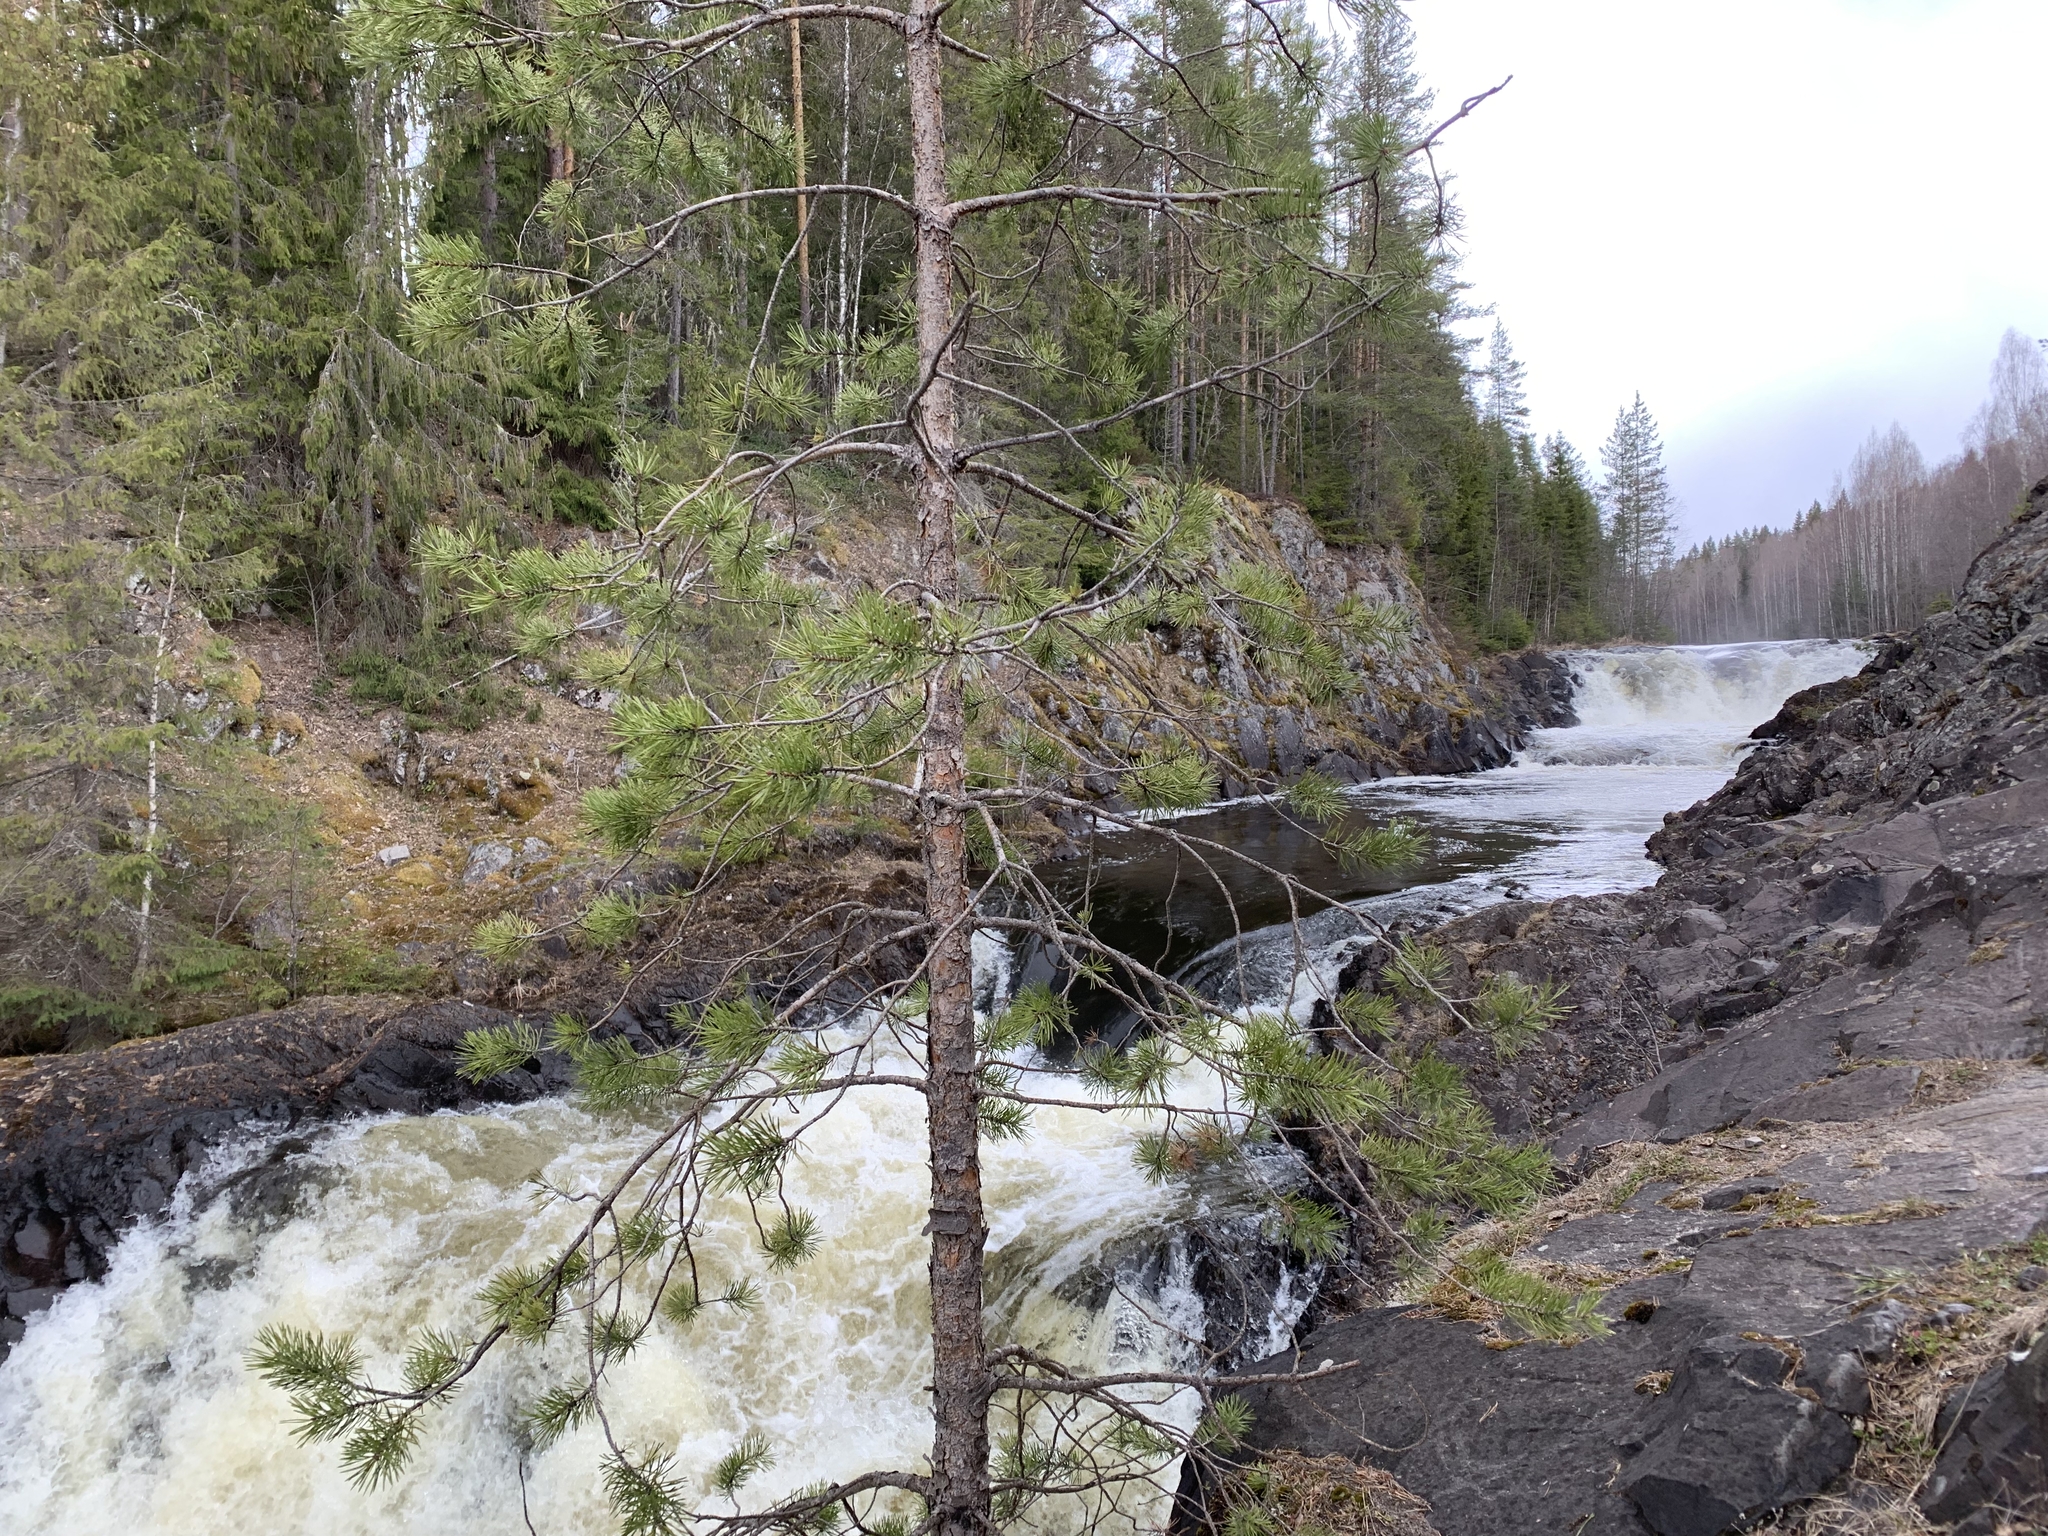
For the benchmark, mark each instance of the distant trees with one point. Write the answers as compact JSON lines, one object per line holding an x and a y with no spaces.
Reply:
{"x":1508,"y":533}
{"x":1893,"y":542}
{"x":1641,"y":524}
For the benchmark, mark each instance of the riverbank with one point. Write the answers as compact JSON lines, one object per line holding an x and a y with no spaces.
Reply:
{"x":1818,"y":1232}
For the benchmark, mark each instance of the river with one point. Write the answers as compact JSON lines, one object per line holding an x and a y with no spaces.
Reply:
{"x":127,"y":1409}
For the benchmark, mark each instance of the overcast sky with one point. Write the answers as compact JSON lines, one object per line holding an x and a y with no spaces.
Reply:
{"x":1786,"y":222}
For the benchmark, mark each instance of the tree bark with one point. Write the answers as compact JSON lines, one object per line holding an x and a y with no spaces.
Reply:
{"x":803,"y":203}
{"x":960,"y":1476}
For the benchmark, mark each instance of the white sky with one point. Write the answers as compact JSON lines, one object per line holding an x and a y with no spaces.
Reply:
{"x":1786,"y":222}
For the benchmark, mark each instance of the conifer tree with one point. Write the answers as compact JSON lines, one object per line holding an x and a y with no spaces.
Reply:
{"x":1505,"y":401}
{"x":169,"y":257}
{"x":1641,"y":524}
{"x":1009,"y":378}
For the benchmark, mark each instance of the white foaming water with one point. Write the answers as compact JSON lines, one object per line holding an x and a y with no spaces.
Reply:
{"x":127,"y":1409}
{"x":1684,"y":705}
{"x":1660,"y":728}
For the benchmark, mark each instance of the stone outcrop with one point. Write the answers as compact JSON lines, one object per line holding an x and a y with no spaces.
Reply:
{"x":1420,"y":707}
{"x":90,"y":1143}
{"x":1837,"y":986}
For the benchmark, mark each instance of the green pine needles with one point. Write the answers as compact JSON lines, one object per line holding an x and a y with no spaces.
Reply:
{"x":715,"y":335}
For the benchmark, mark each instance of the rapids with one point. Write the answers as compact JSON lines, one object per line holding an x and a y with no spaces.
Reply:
{"x":127,"y":1409}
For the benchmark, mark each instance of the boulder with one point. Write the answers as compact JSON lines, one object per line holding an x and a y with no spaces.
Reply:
{"x":1993,"y":1434}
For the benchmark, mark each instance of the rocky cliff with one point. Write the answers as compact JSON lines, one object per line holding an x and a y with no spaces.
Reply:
{"x":1816,"y":1209}
{"x":1419,"y":707}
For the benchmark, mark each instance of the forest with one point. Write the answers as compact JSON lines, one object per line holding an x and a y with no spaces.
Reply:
{"x":287,"y":291}
{"x":1892,"y":543}
{"x":477,"y":343}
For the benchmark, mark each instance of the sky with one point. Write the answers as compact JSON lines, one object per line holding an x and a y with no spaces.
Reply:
{"x":1786,"y":222}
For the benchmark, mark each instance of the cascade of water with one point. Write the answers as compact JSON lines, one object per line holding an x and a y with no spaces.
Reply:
{"x":1684,"y":705}
{"x":127,"y":1407}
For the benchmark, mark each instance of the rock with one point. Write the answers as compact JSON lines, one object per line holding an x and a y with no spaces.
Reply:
{"x":1728,"y":1196}
{"x":1695,"y":925}
{"x":2032,"y":1278}
{"x":474,"y":975}
{"x":486,"y":860}
{"x":283,"y":731}
{"x":91,"y":1143}
{"x":277,"y":927}
{"x":1860,"y":1095}
{"x":1736,"y":1442}
{"x":1993,"y":1434}
{"x":403,"y":760}
{"x":397,"y":853}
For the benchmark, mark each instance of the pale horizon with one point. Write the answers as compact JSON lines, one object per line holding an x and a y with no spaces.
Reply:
{"x":1787,"y":226}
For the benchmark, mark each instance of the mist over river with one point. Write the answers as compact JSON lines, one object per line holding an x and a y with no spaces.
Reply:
{"x":127,"y":1409}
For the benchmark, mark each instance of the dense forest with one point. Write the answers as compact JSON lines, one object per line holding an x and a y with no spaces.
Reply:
{"x":286,"y":293}
{"x":1892,"y":543}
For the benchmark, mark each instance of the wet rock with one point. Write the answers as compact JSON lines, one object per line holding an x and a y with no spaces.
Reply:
{"x":91,"y":1143}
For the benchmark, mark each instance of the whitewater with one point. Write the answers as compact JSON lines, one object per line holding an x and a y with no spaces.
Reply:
{"x":127,"y":1409}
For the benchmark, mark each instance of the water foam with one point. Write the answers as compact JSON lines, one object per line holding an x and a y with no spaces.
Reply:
{"x":128,"y":1408}
{"x":1683,"y":705}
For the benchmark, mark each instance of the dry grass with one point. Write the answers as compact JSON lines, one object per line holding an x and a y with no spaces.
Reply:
{"x":1897,"y":1448}
{"x":1329,"y":1495}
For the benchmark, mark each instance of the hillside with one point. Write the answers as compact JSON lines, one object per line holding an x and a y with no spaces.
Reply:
{"x":1819,"y":1233}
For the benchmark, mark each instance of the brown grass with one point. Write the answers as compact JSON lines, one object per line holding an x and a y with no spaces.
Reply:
{"x":1897,"y":1448}
{"x":1289,"y":1492}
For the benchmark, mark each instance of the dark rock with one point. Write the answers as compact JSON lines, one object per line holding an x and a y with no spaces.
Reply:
{"x":91,"y":1143}
{"x":1736,"y":1442}
{"x":1993,"y":1434}
{"x":1728,"y":1196}
{"x":1695,"y":925}
{"x":2032,"y":1278}
{"x":1540,"y":1437}
{"x":28,"y":1301}
{"x":1860,"y":1095}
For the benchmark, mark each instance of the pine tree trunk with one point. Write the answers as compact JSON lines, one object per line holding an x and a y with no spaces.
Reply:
{"x":960,"y":1496}
{"x":803,"y":203}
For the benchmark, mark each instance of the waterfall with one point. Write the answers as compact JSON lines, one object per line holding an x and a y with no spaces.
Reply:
{"x":1684,"y":705}
{"x":127,"y":1409}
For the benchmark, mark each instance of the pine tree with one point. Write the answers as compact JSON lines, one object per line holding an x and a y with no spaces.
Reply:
{"x":1006,"y":399}
{"x":1641,"y":523}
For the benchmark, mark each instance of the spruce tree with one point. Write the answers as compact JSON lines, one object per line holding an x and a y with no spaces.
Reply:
{"x":169,"y":276}
{"x":1641,"y":523}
